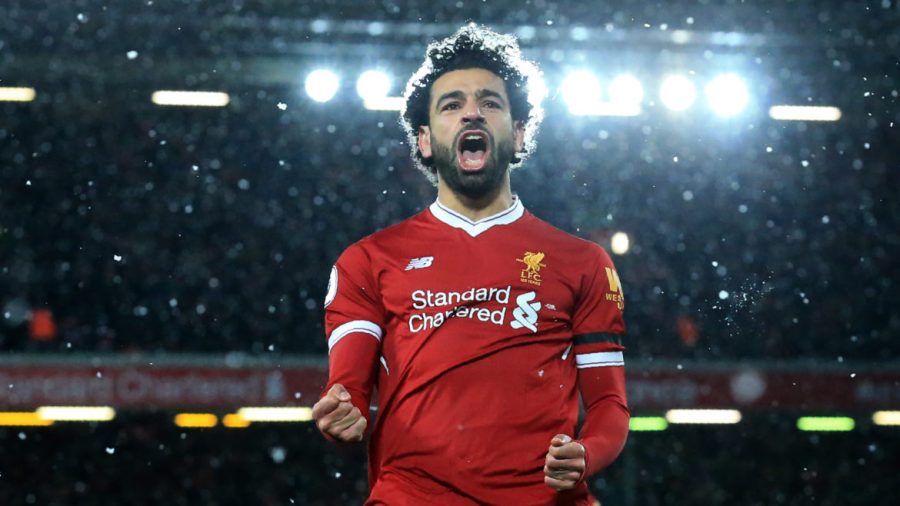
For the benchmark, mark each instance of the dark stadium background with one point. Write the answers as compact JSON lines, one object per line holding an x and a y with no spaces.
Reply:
{"x":147,"y":247}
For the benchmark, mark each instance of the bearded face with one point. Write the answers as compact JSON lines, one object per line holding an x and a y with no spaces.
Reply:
{"x":475,"y":163}
{"x":471,"y":137}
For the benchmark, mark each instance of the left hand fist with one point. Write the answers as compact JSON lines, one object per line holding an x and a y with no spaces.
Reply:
{"x":564,"y":464}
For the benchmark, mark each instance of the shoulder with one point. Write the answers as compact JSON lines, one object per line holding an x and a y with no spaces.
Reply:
{"x":386,"y":239}
{"x":397,"y":232}
{"x":575,"y":248}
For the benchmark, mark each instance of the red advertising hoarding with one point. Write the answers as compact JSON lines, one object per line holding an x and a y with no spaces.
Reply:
{"x":213,"y":383}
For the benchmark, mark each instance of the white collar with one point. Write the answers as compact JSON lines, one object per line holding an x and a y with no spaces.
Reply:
{"x":473,"y":228}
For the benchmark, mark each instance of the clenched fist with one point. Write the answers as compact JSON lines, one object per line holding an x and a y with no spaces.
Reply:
{"x":565,"y":464}
{"x":338,"y":418}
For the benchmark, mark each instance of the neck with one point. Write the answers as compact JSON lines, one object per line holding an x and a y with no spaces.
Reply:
{"x":497,"y":201}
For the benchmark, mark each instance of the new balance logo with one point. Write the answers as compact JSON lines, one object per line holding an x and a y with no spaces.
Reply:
{"x":526,"y":314}
{"x":419,"y":263}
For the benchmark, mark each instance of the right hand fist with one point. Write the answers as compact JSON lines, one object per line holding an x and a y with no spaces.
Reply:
{"x":337,"y":417}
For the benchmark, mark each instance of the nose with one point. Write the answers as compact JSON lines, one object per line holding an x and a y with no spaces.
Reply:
{"x":473,"y":114}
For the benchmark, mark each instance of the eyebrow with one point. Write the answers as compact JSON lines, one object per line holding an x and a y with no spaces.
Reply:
{"x":484,"y":92}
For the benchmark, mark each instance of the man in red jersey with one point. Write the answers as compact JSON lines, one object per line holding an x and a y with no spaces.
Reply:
{"x":478,"y":324}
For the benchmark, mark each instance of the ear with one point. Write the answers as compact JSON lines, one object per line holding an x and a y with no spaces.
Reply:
{"x":519,"y":135}
{"x":425,"y":141}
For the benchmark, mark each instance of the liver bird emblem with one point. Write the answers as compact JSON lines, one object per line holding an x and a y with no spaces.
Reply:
{"x":533,"y":261}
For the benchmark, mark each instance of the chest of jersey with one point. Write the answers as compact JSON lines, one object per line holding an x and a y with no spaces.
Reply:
{"x":494,"y":287}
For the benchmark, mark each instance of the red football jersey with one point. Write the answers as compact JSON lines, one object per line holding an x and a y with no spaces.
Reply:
{"x":474,"y":334}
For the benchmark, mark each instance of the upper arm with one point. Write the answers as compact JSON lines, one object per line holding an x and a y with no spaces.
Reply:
{"x":598,"y":326}
{"x":353,"y":304}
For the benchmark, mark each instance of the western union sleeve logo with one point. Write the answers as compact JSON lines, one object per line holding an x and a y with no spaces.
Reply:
{"x":615,"y":289}
{"x":531,"y":274}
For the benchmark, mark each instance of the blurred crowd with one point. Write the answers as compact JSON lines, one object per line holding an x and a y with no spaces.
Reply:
{"x":127,"y":227}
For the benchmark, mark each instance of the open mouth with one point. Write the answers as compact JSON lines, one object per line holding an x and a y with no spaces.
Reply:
{"x":472,"y":150}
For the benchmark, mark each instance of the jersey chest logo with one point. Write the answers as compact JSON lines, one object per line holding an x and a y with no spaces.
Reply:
{"x":531,"y":274}
{"x":526,"y":314}
{"x":419,"y":263}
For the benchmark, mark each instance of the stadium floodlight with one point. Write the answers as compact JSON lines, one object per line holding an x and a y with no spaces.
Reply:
{"x":537,"y":90}
{"x":322,"y":85}
{"x":804,"y":113}
{"x":16,"y":94}
{"x":580,"y":91}
{"x":384,"y":103}
{"x":196,"y":420}
{"x":626,"y":89}
{"x":727,"y":95}
{"x":373,"y":84}
{"x":703,"y":416}
{"x":275,"y":414}
{"x":76,"y":413}
{"x":886,"y":418}
{"x":190,"y":98}
{"x":825,"y":423}
{"x":620,"y":243}
{"x":22,"y":419}
{"x":647,"y":424}
{"x":610,"y":109}
{"x":677,"y":92}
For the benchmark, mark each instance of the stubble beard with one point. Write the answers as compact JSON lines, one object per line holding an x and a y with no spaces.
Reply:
{"x":473,"y":185}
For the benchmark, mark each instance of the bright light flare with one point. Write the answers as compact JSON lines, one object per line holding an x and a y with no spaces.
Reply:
{"x":608,"y":109}
{"x":384,"y":104}
{"x":322,"y":85}
{"x":76,"y":413}
{"x":825,"y":423}
{"x":233,"y":421}
{"x":16,"y":94}
{"x":727,"y":95}
{"x":703,"y":416}
{"x":22,"y":419}
{"x":190,"y":98}
{"x":677,"y":92}
{"x":647,"y":424}
{"x":267,"y":414}
{"x":886,"y":418}
{"x":626,"y":89}
{"x":537,"y":90}
{"x":580,"y":90}
{"x":620,"y":243}
{"x":804,"y":113}
{"x":196,"y":420}
{"x":373,"y":85}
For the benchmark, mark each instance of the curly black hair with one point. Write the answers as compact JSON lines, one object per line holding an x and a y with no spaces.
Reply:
{"x":473,"y":46}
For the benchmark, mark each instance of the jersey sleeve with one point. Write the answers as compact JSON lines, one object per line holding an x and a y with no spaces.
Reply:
{"x":605,"y":427}
{"x":598,"y":326}
{"x":354,"y":326}
{"x":598,"y":329}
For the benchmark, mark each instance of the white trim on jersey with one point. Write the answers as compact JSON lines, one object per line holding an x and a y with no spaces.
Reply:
{"x":602,"y":359}
{"x":473,"y":228}
{"x":366,"y":327}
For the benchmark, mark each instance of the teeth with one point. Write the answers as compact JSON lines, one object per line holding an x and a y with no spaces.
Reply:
{"x":473,"y":137}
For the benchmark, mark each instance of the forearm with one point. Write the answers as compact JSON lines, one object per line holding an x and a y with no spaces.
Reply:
{"x":605,"y":427}
{"x":353,"y":363}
